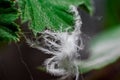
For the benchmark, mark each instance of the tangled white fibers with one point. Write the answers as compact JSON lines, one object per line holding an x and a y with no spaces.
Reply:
{"x":64,"y":46}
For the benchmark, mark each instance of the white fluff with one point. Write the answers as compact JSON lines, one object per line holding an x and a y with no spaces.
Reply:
{"x":64,"y":46}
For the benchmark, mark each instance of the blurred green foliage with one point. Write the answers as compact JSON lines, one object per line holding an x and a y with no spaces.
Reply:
{"x":8,"y":28}
{"x":105,"y":47}
{"x":112,"y":10}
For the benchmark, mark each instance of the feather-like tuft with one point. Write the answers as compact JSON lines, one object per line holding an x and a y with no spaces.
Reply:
{"x":64,"y":46}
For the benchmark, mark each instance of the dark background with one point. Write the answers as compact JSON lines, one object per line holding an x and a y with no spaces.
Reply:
{"x":17,"y":58}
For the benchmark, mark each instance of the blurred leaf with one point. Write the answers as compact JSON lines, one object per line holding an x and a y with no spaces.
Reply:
{"x":8,"y":14}
{"x":41,"y":68}
{"x":50,"y":14}
{"x":105,"y":49}
{"x":112,"y":13}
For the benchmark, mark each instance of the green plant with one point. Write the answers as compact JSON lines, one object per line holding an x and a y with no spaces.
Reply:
{"x":59,"y":27}
{"x":8,"y":28}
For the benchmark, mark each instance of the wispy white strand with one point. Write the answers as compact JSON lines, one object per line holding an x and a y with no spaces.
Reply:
{"x":64,"y":48}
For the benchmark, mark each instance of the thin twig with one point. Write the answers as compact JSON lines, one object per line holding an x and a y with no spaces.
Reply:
{"x":23,"y":62}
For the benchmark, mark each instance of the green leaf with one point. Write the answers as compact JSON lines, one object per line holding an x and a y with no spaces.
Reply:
{"x":105,"y":49}
{"x":8,"y":14}
{"x":51,"y":14}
